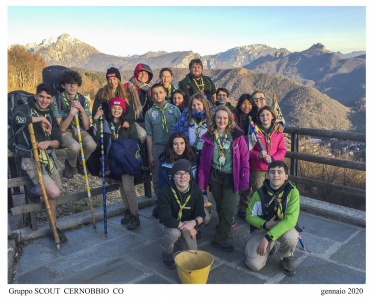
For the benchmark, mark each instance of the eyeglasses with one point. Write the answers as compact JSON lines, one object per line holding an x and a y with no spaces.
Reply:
{"x":222,"y":95}
{"x":184,"y":175}
{"x":71,"y":83}
{"x":261,"y":99}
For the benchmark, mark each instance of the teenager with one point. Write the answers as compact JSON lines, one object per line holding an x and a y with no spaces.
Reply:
{"x":179,"y":99}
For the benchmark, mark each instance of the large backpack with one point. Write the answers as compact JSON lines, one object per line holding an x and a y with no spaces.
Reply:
{"x":16,"y":98}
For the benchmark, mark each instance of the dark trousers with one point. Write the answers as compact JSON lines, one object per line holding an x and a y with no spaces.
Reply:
{"x":222,"y":188}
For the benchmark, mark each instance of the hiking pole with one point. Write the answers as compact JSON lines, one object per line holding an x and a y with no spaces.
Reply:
{"x":103,"y":176}
{"x":85,"y":170}
{"x":255,"y":131}
{"x":41,"y":181}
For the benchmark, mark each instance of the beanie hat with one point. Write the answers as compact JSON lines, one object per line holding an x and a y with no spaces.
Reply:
{"x":143,"y":67}
{"x":113,"y":72}
{"x":182,"y":165}
{"x":118,"y":101}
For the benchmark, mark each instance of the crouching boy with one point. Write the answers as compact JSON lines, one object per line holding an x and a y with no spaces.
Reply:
{"x":273,"y":214}
{"x":180,"y":209}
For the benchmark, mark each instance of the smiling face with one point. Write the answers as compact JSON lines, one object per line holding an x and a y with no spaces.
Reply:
{"x":166,"y":78}
{"x":197,"y":105}
{"x":43,"y":100}
{"x":222,"y":120}
{"x":116,"y":111}
{"x":177,"y":99}
{"x":182,"y":180}
{"x":246,"y":107}
{"x":113,"y":82}
{"x":159,"y":94}
{"x":196,"y":70}
{"x":143,"y":76}
{"x":179,"y":145}
{"x":70,"y":89}
{"x":266,"y":118}
{"x":277,"y":177}
{"x":222,"y":97}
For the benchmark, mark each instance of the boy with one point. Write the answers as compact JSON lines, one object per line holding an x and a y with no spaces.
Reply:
{"x":38,"y":112}
{"x":273,"y":214}
{"x":223,"y":99}
{"x":160,"y":120}
{"x":69,"y":103}
{"x":260,"y":100}
{"x":180,"y":210}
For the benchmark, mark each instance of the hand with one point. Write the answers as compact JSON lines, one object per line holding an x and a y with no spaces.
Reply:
{"x":151,"y":160}
{"x":268,"y":159}
{"x":99,"y":113}
{"x":262,"y":154}
{"x":193,"y":233}
{"x":43,"y":145}
{"x":262,"y":246}
{"x":47,"y":127}
{"x":270,"y":224}
{"x":125,"y":124}
{"x":74,"y":110}
{"x":188,"y":225}
{"x":76,"y":104}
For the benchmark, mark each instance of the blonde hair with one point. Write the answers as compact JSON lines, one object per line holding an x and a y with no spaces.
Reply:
{"x":206,"y":106}
{"x":230,"y":125}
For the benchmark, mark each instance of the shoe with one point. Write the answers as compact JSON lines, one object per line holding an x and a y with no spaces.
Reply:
{"x":61,"y":235}
{"x":287,"y":264}
{"x":224,"y":246}
{"x":134,"y":222}
{"x":198,"y":234}
{"x":169,"y":261}
{"x":68,"y":171}
{"x":231,"y":234}
{"x":80,"y":168}
{"x":273,"y":249}
{"x":241,"y":214}
{"x":127,"y":216}
{"x":233,"y":225}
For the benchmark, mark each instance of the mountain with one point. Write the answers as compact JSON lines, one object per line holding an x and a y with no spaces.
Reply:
{"x":339,"y":78}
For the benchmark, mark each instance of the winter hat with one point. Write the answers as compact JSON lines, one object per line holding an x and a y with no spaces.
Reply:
{"x":118,"y":101}
{"x":182,"y":165}
{"x":143,"y":67}
{"x":113,"y":72}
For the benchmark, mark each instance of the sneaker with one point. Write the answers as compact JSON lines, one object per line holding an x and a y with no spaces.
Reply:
{"x":288,"y":266}
{"x":231,"y":234}
{"x":134,"y":222}
{"x":233,"y":224}
{"x":127,"y":216}
{"x":169,"y":261}
{"x":68,"y":171}
{"x":273,"y":249}
{"x":224,"y":246}
{"x":62,"y":237}
{"x":241,"y":214}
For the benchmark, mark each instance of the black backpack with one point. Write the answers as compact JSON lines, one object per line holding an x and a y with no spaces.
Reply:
{"x":16,"y":98}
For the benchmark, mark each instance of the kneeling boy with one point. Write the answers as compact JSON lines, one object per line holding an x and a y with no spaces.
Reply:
{"x":273,"y":214}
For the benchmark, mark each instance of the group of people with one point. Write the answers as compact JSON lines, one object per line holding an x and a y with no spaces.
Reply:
{"x":199,"y":147}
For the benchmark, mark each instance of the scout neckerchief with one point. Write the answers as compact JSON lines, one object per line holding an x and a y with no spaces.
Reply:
{"x":201,"y":85}
{"x":169,"y":91}
{"x":221,"y":147}
{"x":67,"y":102}
{"x":277,"y":198}
{"x":115,"y":130}
{"x":163,"y":118}
{"x":43,"y":155}
{"x":267,"y":132}
{"x":179,"y":203}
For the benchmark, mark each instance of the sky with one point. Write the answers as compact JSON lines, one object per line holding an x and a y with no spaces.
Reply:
{"x":123,"y":30}
{"x":205,"y":27}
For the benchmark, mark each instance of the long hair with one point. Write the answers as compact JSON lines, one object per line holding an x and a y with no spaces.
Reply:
{"x":170,"y":156}
{"x":213,"y":125}
{"x":107,"y":93}
{"x":270,"y":109}
{"x":252,"y":113}
{"x":185,"y":102}
{"x":206,"y":105}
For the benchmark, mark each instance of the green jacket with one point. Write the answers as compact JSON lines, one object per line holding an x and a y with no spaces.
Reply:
{"x":22,"y":117}
{"x":190,"y":88}
{"x":291,"y":204}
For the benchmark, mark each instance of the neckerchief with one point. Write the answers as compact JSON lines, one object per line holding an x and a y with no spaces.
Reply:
{"x":169,"y":91}
{"x":201,"y":85}
{"x":220,"y":145}
{"x":198,"y":126}
{"x":267,"y":132}
{"x":67,"y":102}
{"x":277,"y":198}
{"x":114,"y":129}
{"x":182,"y":206}
{"x":163,"y":118}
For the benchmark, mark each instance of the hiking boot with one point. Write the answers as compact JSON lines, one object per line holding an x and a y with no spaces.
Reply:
{"x":134,"y":222}
{"x":127,"y":216}
{"x":241,"y":214}
{"x":68,"y":171}
{"x":80,"y":168}
{"x":169,"y":261}
{"x":224,"y":246}
{"x":62,"y":237}
{"x":287,"y":264}
{"x":273,"y":249}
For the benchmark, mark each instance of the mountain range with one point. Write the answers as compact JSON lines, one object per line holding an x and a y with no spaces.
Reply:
{"x":316,"y":88}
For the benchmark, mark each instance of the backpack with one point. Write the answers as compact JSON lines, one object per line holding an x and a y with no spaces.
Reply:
{"x":16,"y":98}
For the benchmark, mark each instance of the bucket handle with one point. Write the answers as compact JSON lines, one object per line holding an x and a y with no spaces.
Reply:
{"x":190,"y":251}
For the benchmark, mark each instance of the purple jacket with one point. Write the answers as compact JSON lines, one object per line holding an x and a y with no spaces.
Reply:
{"x":240,"y":161}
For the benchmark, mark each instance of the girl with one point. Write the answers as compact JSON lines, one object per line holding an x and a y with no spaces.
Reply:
{"x":193,"y":121}
{"x":122,"y":130}
{"x":165,"y":78}
{"x":180,"y":99}
{"x":224,"y":167}
{"x":273,"y":143}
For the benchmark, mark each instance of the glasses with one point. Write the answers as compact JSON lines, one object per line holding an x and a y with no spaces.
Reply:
{"x":72,"y":83}
{"x":261,"y":99}
{"x":222,"y":95}
{"x":184,"y":175}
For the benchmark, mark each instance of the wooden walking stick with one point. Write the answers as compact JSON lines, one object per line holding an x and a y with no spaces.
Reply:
{"x":90,"y":203}
{"x":103,"y":176}
{"x":41,"y":180}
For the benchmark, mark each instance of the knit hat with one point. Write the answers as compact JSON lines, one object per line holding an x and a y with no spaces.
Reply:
{"x":143,"y":67}
{"x":113,"y":72}
{"x":182,"y":165}
{"x":118,"y":101}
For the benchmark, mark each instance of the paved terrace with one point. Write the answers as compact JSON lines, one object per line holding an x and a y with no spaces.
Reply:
{"x":334,"y":238}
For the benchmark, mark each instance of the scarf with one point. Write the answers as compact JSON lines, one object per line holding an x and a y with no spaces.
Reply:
{"x":133,"y":83}
{"x":198,"y":115}
{"x":163,"y":118}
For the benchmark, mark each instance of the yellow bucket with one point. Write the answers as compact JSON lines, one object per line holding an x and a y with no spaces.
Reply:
{"x":193,"y":266}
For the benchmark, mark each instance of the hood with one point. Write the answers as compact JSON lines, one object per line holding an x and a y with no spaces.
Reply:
{"x":143,"y":67}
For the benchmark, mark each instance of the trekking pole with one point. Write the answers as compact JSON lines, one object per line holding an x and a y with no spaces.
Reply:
{"x":103,"y":176}
{"x":41,"y":180}
{"x":85,"y":170}
{"x":255,"y":131}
